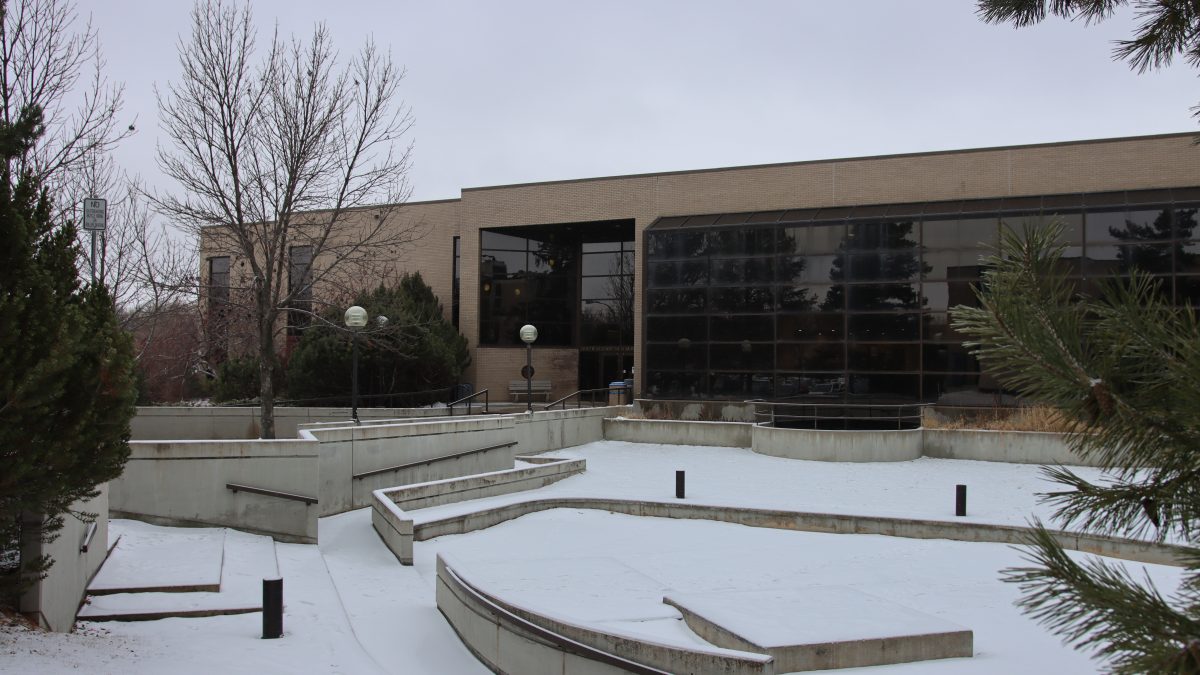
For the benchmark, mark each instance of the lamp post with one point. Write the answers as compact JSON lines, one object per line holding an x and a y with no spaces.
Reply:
{"x":528,"y":336}
{"x":356,"y":320}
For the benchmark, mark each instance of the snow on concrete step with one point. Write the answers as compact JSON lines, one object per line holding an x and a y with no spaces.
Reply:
{"x":248,"y":559}
{"x":821,"y":627}
{"x":149,"y":558}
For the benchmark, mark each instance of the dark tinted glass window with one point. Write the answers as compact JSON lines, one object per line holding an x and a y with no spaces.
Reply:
{"x":810,"y":356}
{"x":962,"y":264}
{"x":949,"y":357}
{"x":494,"y":240}
{"x":756,"y":327}
{"x":955,"y":233}
{"x":673,"y":328}
{"x":218,"y":278}
{"x":817,"y":326}
{"x":868,"y":297}
{"x":884,"y":327}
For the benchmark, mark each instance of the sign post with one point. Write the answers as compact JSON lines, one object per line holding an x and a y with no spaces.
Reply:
{"x":95,"y":219}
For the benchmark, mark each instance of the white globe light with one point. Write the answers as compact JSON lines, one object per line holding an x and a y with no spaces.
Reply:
{"x":528,"y":334}
{"x":356,"y":317}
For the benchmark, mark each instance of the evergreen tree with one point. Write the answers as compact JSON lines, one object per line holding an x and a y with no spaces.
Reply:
{"x":1166,"y":30}
{"x":66,"y":369}
{"x":418,"y":351}
{"x":1126,"y":367}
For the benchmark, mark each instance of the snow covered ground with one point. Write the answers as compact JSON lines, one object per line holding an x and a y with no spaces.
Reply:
{"x":351,"y":608}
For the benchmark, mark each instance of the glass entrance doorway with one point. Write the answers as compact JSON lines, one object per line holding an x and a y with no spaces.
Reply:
{"x":597,"y":369}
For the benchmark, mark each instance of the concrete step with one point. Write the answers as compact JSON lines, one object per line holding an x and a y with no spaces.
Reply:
{"x":152,"y":559}
{"x":245,"y":560}
{"x":821,"y":627}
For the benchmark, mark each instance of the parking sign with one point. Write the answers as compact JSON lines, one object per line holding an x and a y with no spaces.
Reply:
{"x":95,"y":214}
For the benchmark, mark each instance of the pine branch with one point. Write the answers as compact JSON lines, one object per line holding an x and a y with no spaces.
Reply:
{"x":1155,"y":504}
{"x":1102,"y":609}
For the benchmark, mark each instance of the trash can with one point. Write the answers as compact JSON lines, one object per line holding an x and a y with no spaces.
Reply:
{"x":616,"y":393}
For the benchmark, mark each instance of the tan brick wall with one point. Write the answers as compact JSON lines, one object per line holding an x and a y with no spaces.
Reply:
{"x":1091,"y":166}
{"x":496,"y":367}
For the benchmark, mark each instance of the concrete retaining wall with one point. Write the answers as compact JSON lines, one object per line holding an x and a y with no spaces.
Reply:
{"x":837,"y":446}
{"x":511,"y":639}
{"x":1023,"y":447}
{"x":673,"y":432}
{"x":53,"y":601}
{"x":910,"y":528}
{"x":691,"y":411}
{"x":349,"y":451}
{"x":184,"y":482}
{"x":556,"y":429}
{"x":1019,"y":447}
{"x":395,"y":527}
{"x":154,"y":423}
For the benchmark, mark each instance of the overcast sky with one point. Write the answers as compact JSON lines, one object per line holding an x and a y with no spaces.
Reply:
{"x":516,"y":91}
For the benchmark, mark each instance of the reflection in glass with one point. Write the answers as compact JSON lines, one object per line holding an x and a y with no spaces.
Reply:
{"x":964,"y":264}
{"x":861,"y":309}
{"x":741,"y":300}
{"x":940,"y":296}
{"x":672,"y":328}
{"x":955,"y":233}
{"x":745,"y":355}
{"x":873,"y":357}
{"x":736,"y":328}
{"x":949,"y":357}
{"x":679,"y":273}
{"x":810,"y":356}
{"x":884,"y":327}
{"x":676,"y":384}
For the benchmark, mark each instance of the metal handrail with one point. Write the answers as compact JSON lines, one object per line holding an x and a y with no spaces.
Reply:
{"x":87,"y":537}
{"x":271,"y":493}
{"x":468,"y":399}
{"x":579,"y":401}
{"x":773,"y":416}
{"x":566,"y":644}
{"x":431,"y":460}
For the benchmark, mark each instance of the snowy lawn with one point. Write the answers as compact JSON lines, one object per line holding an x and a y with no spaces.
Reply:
{"x":351,"y":608}
{"x":997,"y":492}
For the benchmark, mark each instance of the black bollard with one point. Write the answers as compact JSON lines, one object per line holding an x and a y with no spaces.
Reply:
{"x":960,"y":500}
{"x":272,"y":608}
{"x":679,"y":484}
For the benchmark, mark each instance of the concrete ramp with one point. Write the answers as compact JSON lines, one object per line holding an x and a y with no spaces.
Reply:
{"x":148,"y":558}
{"x":156,"y":573}
{"x":820,"y":627}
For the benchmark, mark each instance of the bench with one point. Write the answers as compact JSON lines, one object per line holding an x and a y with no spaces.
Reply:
{"x":519,"y":388}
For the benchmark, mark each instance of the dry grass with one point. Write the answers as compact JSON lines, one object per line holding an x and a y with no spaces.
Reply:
{"x":1032,"y":418}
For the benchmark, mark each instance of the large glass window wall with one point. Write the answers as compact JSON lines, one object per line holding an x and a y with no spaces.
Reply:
{"x":853,"y":303}
{"x":573,"y":281}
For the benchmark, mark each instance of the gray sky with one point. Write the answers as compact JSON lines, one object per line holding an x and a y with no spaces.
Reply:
{"x":517,"y":91}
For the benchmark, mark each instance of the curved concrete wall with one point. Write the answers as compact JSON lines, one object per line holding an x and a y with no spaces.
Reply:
{"x":351,"y":450}
{"x":396,"y":528}
{"x":1018,"y":447}
{"x":832,"y":523}
{"x":1024,"y":447}
{"x":837,"y":446}
{"x":512,"y":639}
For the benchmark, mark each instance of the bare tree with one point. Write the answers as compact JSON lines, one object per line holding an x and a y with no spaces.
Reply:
{"x":49,"y":61}
{"x":281,"y":149}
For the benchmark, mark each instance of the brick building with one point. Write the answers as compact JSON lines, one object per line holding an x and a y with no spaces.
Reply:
{"x":828,"y":277}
